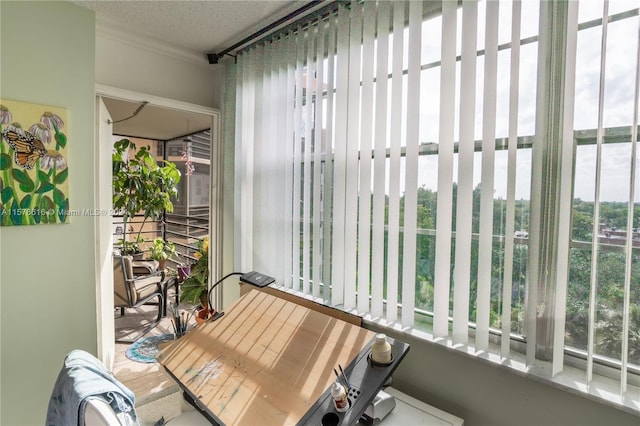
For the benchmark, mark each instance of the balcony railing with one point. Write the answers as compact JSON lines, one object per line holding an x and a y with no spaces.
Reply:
{"x":183,"y":230}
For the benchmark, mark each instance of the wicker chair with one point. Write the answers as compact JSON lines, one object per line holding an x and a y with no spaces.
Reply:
{"x":132,"y":291}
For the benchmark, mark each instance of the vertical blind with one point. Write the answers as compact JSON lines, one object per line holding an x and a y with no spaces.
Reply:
{"x":335,"y":141}
{"x":329,"y":146}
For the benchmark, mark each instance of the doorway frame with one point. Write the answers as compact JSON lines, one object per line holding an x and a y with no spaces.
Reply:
{"x":104,"y":271}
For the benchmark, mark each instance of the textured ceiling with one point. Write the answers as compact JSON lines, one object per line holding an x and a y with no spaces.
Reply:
{"x":197,"y":26}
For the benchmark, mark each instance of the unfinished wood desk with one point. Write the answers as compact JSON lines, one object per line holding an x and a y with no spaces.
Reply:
{"x":269,"y":361}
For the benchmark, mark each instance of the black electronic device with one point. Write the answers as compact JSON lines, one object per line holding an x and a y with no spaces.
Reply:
{"x":257,"y":279}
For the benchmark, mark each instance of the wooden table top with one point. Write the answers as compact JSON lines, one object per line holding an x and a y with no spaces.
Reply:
{"x":266,"y":361}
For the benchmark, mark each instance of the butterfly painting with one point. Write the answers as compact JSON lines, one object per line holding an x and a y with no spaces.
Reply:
{"x":27,"y":149}
{"x":34,"y":171}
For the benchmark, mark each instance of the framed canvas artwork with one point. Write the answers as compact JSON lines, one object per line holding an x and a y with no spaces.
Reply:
{"x":34,"y":172}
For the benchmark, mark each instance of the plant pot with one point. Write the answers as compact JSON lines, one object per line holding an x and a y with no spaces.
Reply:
{"x":203,"y":315}
{"x":162,"y":264}
{"x":137,"y":256}
{"x":183,"y":272}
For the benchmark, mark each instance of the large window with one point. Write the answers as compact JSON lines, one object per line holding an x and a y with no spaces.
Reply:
{"x":446,"y":168}
{"x":603,"y":300}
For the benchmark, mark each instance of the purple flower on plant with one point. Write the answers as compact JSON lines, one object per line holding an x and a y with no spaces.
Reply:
{"x":52,"y":121}
{"x":16,"y":127}
{"x":5,"y":115}
{"x":40,"y":131}
{"x":53,"y":159}
{"x":189,"y":167}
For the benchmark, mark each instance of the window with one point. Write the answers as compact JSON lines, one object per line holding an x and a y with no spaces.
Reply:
{"x":423,"y":164}
{"x":603,"y":299}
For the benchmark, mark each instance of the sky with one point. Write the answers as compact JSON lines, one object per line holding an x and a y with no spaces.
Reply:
{"x":618,"y":99}
{"x":620,"y":65}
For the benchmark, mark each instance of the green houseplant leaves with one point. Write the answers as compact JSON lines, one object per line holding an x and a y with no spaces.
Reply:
{"x":140,"y":184}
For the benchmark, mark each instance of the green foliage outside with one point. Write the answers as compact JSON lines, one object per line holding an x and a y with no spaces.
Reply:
{"x":609,"y":286}
{"x":610,"y":266}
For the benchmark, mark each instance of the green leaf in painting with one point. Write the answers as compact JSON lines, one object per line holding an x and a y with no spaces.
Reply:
{"x":61,"y":177}
{"x":6,"y":194}
{"x":62,"y":211}
{"x":16,"y":217}
{"x":21,"y":177}
{"x":26,"y":184}
{"x":5,"y":161}
{"x":58,"y":197}
{"x":46,"y":203}
{"x":42,"y":176}
{"x":45,"y":187}
{"x":61,"y":139}
{"x":27,"y":211}
{"x":25,"y":203}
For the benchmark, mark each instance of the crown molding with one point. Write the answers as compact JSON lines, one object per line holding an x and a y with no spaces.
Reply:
{"x":112,"y":30}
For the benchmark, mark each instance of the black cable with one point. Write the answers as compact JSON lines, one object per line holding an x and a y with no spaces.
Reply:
{"x":218,"y":282}
{"x":142,"y":105}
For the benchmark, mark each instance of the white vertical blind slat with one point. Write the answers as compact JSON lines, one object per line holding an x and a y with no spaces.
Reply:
{"x":352,"y":163}
{"x":393,"y":244}
{"x":514,"y":87}
{"x":596,"y":204}
{"x":445,"y":171}
{"x":297,"y":160}
{"x":289,"y":141}
{"x":340,"y":158}
{"x":241,"y":90}
{"x":411,"y":164}
{"x":466,"y":153}
{"x":366,"y":144}
{"x":280,"y":159}
{"x":566,"y":177}
{"x":327,"y":147}
{"x":317,"y":162}
{"x":380,"y":160}
{"x":246,"y":178}
{"x":264,"y":138}
{"x":274,"y":202}
{"x":485,"y":244}
{"x":306,"y":147}
{"x":257,"y":139}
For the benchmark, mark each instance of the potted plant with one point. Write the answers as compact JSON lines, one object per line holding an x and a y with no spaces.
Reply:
{"x":182,"y":271}
{"x":131,"y":248}
{"x":162,"y":250}
{"x":141,"y":185}
{"x":195,"y":288}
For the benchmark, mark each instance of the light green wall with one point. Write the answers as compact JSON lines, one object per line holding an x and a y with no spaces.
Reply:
{"x":48,"y":294}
